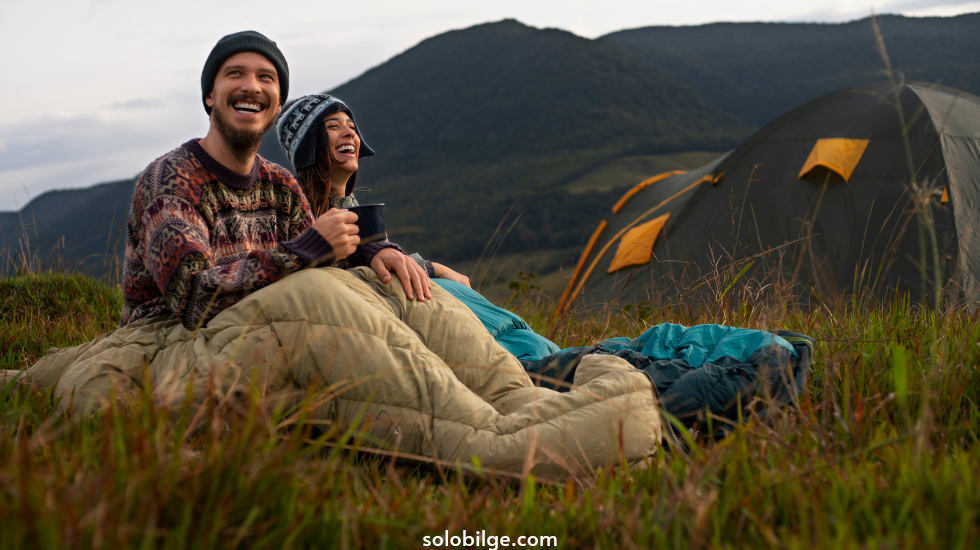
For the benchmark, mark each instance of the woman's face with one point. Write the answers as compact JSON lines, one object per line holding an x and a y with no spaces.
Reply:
{"x":343,"y":145}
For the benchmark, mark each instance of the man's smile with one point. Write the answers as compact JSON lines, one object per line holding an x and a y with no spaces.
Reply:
{"x":244,"y":106}
{"x":248,"y":107}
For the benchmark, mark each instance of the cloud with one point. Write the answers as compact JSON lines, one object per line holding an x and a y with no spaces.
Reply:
{"x":18,"y":187}
{"x":127,"y":90}
{"x":52,"y":139}
{"x":837,"y":11}
{"x":142,"y":103}
{"x":942,"y":5}
{"x":925,"y":8}
{"x":55,"y":151}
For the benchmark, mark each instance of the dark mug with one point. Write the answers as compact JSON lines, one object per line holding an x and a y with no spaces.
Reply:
{"x":370,"y":222}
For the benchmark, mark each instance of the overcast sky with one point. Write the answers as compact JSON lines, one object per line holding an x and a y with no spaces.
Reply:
{"x":95,"y":89}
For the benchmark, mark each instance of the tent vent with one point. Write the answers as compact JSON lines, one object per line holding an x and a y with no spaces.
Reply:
{"x":636,"y":246}
{"x":838,"y":155}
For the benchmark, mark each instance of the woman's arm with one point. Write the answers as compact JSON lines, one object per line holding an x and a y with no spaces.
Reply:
{"x":444,"y":272}
{"x":440,"y":271}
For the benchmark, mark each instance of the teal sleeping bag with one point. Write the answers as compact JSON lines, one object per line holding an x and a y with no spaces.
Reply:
{"x":725,"y":371}
{"x":510,"y":331}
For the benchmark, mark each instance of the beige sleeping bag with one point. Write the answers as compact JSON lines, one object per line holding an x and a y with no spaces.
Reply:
{"x":424,"y":377}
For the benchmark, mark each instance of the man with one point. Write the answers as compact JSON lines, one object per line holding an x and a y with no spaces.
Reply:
{"x":221,"y":302}
{"x":212,"y":222}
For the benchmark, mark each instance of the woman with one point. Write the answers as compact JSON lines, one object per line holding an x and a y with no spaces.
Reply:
{"x":322,"y":141}
{"x":327,"y":163}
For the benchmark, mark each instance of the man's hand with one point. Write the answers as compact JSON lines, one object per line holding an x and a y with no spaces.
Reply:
{"x":444,"y":272}
{"x":337,"y":227}
{"x":413,"y":278}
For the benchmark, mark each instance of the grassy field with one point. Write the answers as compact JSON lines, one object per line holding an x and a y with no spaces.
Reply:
{"x":625,"y":172}
{"x":882,"y":451}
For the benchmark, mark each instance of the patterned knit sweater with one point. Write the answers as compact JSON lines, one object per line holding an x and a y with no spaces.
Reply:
{"x":200,"y":237}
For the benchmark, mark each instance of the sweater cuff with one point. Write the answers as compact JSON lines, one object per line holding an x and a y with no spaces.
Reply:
{"x":311,"y":247}
{"x":365,"y":253}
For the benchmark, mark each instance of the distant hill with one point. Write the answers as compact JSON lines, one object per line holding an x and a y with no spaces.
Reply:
{"x":76,"y":226}
{"x":758,"y":71}
{"x":472,"y":122}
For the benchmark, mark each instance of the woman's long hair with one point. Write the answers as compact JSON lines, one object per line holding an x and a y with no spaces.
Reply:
{"x":315,"y":180}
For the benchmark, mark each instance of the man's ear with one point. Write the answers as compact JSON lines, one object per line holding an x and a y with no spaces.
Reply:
{"x":278,"y":107}
{"x":209,"y":99}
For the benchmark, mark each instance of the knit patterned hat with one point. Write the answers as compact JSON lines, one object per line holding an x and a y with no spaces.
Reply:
{"x":244,"y":41}
{"x":299,"y":121}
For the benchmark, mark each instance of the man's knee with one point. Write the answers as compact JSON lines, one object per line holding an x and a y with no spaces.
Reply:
{"x":309,"y":282}
{"x":367,"y":275}
{"x":304,"y":295}
{"x":317,"y":284}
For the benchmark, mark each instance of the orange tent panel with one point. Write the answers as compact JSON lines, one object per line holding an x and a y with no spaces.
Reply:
{"x":839,"y":155}
{"x":945,"y":195}
{"x":636,"y":246}
{"x":598,"y":256}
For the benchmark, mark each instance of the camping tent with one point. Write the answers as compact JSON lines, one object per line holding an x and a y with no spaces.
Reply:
{"x":822,"y":192}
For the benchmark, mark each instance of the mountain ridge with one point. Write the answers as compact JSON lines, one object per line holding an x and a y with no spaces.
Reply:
{"x":758,"y":71}
{"x":495,"y":121}
{"x":552,"y":104}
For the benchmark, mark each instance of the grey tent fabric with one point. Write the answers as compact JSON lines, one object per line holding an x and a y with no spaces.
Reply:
{"x":956,"y":116}
{"x":836,"y":235}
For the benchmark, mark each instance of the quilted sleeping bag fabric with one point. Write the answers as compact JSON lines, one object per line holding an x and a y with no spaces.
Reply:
{"x":727,"y":371}
{"x":423,"y":377}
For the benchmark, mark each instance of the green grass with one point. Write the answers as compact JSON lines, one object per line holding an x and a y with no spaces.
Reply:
{"x":881,"y":452}
{"x":52,"y":310}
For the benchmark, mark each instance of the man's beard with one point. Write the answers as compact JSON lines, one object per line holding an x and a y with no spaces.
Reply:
{"x":244,"y":144}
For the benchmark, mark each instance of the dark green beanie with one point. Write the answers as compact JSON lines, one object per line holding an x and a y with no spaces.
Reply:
{"x":244,"y":41}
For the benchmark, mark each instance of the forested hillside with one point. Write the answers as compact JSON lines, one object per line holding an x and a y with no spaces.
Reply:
{"x":550,"y":126}
{"x":757,"y":71}
{"x":470,"y":123}
{"x":71,"y":227}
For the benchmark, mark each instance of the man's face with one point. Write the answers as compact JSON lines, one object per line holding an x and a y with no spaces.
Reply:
{"x":244,"y":101}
